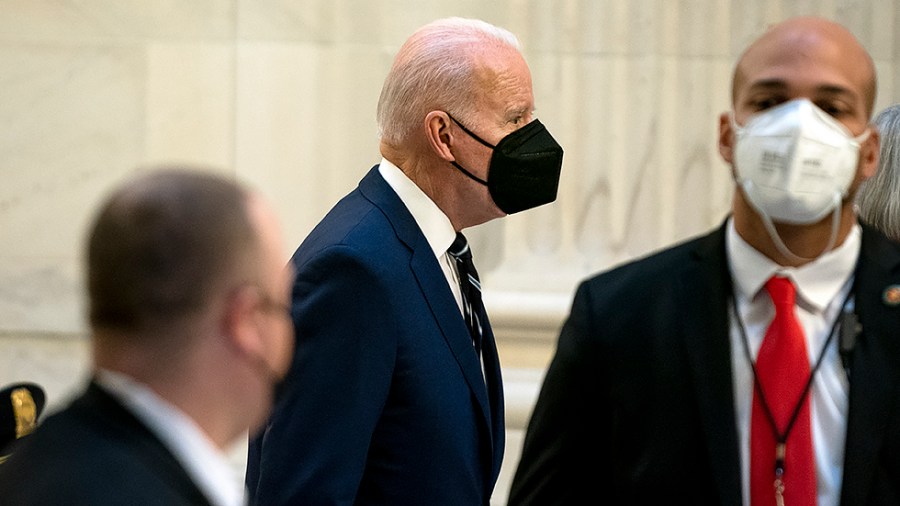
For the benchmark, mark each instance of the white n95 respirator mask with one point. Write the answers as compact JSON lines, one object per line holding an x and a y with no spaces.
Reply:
{"x":794,"y":162}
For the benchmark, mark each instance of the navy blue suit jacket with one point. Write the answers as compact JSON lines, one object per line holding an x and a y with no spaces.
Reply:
{"x":385,"y":402}
{"x":637,"y":406}
{"x":95,"y":452}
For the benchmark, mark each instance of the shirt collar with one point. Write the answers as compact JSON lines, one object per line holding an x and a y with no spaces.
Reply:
{"x":207,"y":466}
{"x":435,"y":225}
{"x":817,"y":282}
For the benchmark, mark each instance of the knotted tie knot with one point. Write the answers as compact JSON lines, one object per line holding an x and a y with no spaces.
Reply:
{"x":470,"y":286}
{"x":782,"y":292}
{"x":460,"y":247}
{"x":460,"y":251}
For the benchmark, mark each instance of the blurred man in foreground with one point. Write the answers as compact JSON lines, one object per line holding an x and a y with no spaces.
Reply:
{"x":188,"y":296}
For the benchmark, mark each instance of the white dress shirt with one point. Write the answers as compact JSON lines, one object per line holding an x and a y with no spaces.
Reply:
{"x":435,"y":225}
{"x":206,"y":465}
{"x":822,"y":287}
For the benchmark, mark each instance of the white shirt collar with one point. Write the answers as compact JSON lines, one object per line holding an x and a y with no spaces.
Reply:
{"x":817,"y":282}
{"x":435,"y":225}
{"x":207,"y":466}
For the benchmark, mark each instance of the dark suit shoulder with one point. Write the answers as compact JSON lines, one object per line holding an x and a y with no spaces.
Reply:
{"x":646,"y":275}
{"x":341,"y":224}
{"x":369,"y":226}
{"x":879,"y":250}
{"x":83,"y":456}
{"x":641,"y":303}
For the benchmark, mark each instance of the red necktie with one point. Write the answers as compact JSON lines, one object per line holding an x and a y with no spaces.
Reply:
{"x":782,"y":371}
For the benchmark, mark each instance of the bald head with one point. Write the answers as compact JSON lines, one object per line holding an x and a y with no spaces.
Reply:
{"x":814,"y":46}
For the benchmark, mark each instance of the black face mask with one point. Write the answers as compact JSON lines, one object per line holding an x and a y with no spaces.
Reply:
{"x":524,"y":169}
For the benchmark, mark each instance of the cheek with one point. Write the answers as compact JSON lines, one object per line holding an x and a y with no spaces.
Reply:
{"x":480,"y":161}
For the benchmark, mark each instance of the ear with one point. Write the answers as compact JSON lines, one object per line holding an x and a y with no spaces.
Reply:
{"x":437,"y":131}
{"x":239,"y":324}
{"x":869,"y":153}
{"x":726,"y":138}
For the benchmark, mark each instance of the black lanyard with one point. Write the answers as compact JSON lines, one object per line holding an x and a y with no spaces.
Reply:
{"x":781,"y":438}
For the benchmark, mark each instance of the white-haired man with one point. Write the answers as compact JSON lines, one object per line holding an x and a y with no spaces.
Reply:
{"x":401,"y":400}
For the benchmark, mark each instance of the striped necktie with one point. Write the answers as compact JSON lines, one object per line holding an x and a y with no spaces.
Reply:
{"x":470,"y":287}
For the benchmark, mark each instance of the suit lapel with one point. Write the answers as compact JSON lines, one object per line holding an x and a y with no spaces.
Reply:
{"x":873,"y":370}
{"x":453,"y":327}
{"x":456,"y":335}
{"x":434,"y":287}
{"x":706,"y":285}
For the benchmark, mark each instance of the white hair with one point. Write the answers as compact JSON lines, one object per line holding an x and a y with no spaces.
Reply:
{"x":435,"y":69}
{"x":879,"y":197}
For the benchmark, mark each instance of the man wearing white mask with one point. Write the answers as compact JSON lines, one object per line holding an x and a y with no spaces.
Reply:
{"x":758,"y":364}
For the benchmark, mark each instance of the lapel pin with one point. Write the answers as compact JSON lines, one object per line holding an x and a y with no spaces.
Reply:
{"x":891,"y":296}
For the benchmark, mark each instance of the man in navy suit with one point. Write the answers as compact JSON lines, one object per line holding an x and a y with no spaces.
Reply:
{"x":661,"y":390}
{"x":395,"y":395}
{"x":188,"y":295}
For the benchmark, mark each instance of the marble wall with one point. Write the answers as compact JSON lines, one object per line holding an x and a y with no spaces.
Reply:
{"x":281,"y":94}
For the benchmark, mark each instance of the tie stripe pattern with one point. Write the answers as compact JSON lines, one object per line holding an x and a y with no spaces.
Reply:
{"x":470,"y":287}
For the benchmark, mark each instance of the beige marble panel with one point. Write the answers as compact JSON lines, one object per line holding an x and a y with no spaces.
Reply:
{"x":56,"y":362}
{"x":305,"y":125}
{"x":356,"y":21}
{"x":189,"y":105}
{"x":286,"y":20}
{"x":67,"y":21}
{"x":881,"y":31}
{"x":277,"y":130}
{"x":41,"y":294}
{"x":888,"y":86}
{"x":73,"y":121}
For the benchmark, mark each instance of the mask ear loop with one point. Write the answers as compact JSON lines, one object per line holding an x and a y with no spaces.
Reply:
{"x":838,"y":200}
{"x":863,"y":137}
{"x":776,"y":239}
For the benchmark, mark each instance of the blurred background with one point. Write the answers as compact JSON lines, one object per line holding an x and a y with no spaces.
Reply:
{"x":281,"y":94}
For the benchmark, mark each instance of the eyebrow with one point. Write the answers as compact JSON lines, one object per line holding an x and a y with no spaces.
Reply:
{"x":835,"y":90}
{"x":780,"y":85}
{"x":516,"y":112}
{"x":767,"y":84}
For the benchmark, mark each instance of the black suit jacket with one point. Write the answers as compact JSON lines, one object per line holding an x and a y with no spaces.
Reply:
{"x":95,"y":452}
{"x":637,"y":406}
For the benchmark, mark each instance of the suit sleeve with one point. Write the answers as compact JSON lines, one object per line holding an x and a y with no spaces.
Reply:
{"x":314,"y":449}
{"x":564,"y":458}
